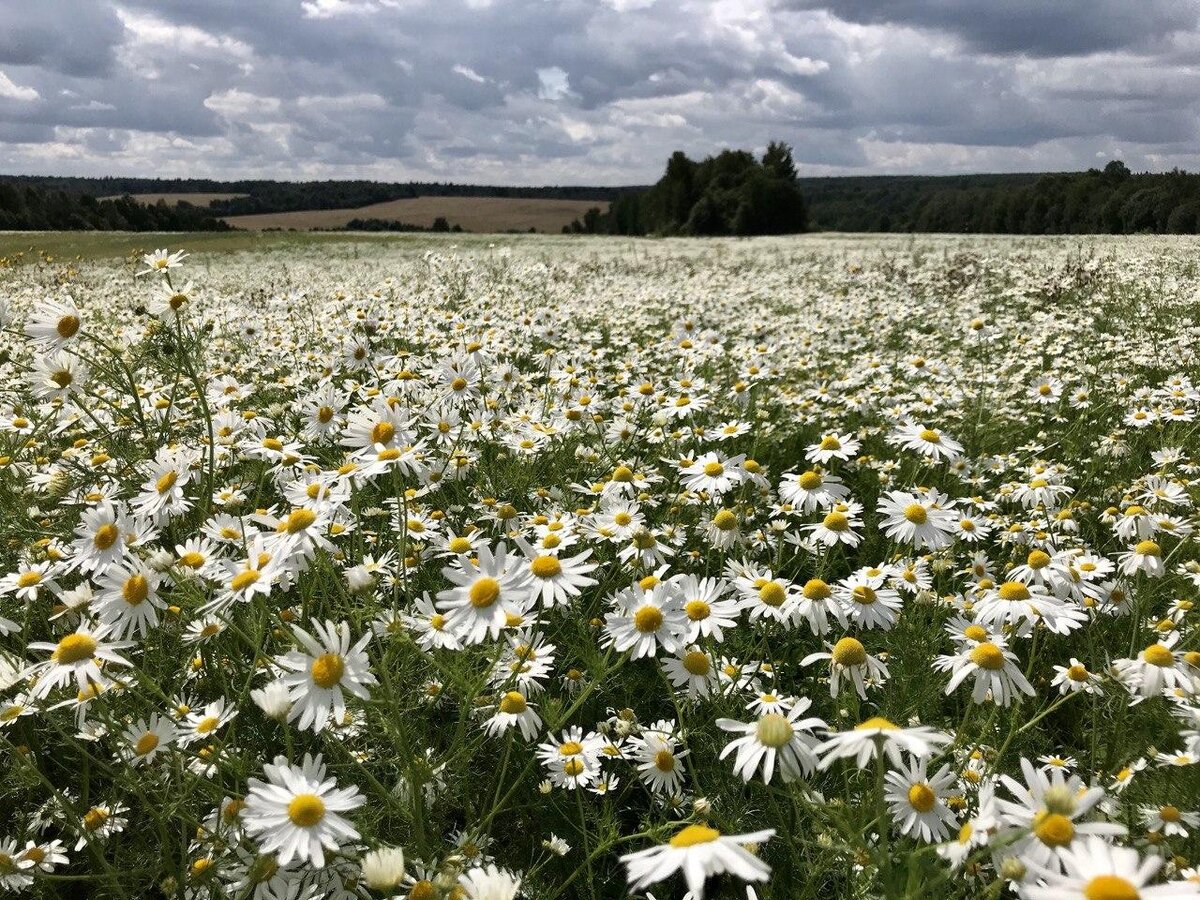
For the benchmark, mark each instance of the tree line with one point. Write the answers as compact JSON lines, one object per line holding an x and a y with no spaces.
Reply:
{"x":731,"y":193}
{"x":726,"y":194}
{"x":24,"y":207}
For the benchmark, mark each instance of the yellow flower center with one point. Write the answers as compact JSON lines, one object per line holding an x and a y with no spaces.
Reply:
{"x":166,"y":482}
{"x":546,"y":567}
{"x":836,"y":521}
{"x":975,"y":633}
{"x":29,"y":579}
{"x":713,"y":469}
{"x":988,"y":656}
{"x":106,"y":536}
{"x":244,"y":579}
{"x":383,"y":433}
{"x":697,"y":610}
{"x":810,"y":480}
{"x":146,"y":743}
{"x":816,"y":589}
{"x":1169,"y":814}
{"x":773,"y":730}
{"x":648,"y":619}
{"x":1053,"y":829}
{"x":1038,"y":559}
{"x":829,"y":442}
{"x":930,"y":436}
{"x":921,"y":797}
{"x":1014,"y":591}
{"x":299,"y":519}
{"x":877,"y":722}
{"x":1148,"y":548}
{"x":484,"y":592}
{"x":696,"y":663}
{"x":695,"y":834}
{"x":67,"y":327}
{"x":725,"y":520}
{"x":1110,"y":887}
{"x":916,"y":513}
{"x":849,"y":652}
{"x":664,"y":761}
{"x":306,"y":810}
{"x":772,"y":594}
{"x":513,"y":703}
{"x":327,"y":670}
{"x":1077,"y":672}
{"x":136,"y":590}
{"x":1159,"y":655}
{"x":74,"y":648}
{"x":864,"y":595}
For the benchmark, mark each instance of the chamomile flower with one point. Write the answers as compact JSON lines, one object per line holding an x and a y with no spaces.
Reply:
{"x":917,"y":801}
{"x":325,"y":666}
{"x":776,"y":738}
{"x":297,"y":812}
{"x":699,"y":852}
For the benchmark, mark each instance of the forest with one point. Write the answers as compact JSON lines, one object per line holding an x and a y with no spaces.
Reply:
{"x":24,"y":207}
{"x":730,"y":193}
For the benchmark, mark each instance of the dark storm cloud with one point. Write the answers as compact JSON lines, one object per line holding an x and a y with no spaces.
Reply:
{"x":590,"y":91}
{"x":1032,"y":27}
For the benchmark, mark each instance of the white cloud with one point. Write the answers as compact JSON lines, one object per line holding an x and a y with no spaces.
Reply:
{"x":469,"y":73}
{"x":553,"y":83}
{"x":15,"y":91}
{"x":238,"y":105}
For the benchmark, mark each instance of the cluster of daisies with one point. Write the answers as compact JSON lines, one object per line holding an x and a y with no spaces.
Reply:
{"x":497,"y":573}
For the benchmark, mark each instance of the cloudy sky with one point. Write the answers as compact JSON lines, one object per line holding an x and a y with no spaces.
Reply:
{"x":592,"y":91}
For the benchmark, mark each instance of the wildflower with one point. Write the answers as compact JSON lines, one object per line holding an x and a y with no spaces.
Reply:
{"x":297,"y":811}
{"x":700,"y":852}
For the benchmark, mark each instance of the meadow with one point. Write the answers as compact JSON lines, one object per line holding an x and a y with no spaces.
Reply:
{"x":479,"y":567}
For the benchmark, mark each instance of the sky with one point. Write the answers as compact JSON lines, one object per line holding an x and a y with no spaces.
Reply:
{"x":592,"y":92}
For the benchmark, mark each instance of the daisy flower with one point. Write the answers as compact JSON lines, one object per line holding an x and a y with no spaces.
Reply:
{"x":162,"y":261}
{"x":699,"y":852}
{"x":776,"y":738}
{"x":52,"y":324}
{"x":644,"y":621}
{"x":296,"y":813}
{"x":487,"y":592}
{"x":995,"y":669}
{"x":1096,"y":870}
{"x":1047,"y":810}
{"x":556,"y":580}
{"x":864,"y":741}
{"x":146,"y":739}
{"x":849,"y":661}
{"x":76,"y":657}
{"x":812,"y":490}
{"x":1169,"y":820}
{"x":917,"y":802}
{"x":929,"y":442}
{"x":921,"y":521}
{"x":317,"y":674}
{"x":514,"y":708}
{"x":832,"y":446}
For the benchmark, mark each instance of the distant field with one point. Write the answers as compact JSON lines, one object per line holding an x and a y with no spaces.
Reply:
{"x":478,"y":214}
{"x":196,"y":199}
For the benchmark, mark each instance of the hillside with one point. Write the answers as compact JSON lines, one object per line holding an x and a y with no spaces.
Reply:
{"x":478,"y":214}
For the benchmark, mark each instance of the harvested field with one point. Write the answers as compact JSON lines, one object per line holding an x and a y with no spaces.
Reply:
{"x":480,"y":214}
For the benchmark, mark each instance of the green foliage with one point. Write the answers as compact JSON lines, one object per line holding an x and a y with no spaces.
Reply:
{"x":28,"y":208}
{"x":730,"y":193}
